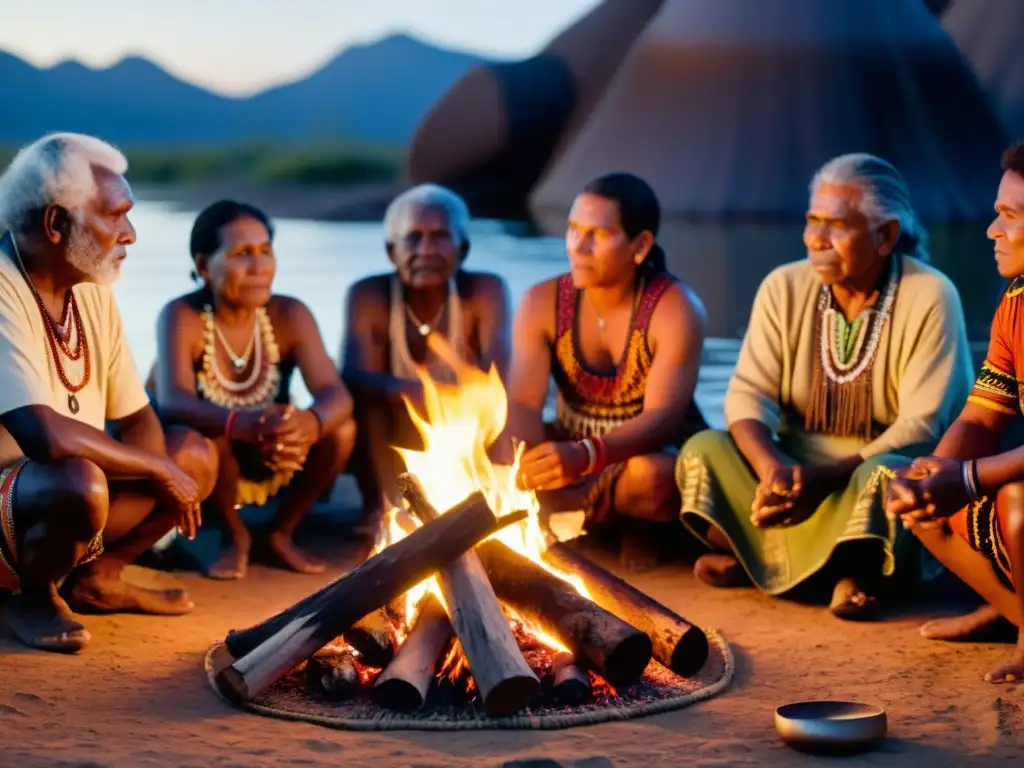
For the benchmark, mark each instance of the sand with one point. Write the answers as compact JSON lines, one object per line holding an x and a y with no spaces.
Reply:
{"x":138,"y":695}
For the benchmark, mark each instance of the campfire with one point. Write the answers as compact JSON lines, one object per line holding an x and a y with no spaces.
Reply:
{"x":464,"y":595}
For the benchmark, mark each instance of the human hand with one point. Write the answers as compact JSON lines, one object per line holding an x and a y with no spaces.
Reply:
{"x":288,"y":449}
{"x":182,"y":494}
{"x":927,"y":493}
{"x":790,"y":494}
{"x":552,"y":465}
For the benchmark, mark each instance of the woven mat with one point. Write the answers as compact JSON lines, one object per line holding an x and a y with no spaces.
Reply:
{"x":659,"y":691}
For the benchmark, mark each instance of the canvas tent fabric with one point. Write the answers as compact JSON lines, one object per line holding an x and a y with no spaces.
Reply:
{"x":990,"y":34}
{"x":494,"y":132}
{"x":728,"y":112}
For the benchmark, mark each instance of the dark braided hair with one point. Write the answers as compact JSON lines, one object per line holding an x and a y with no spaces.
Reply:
{"x":639,"y":210}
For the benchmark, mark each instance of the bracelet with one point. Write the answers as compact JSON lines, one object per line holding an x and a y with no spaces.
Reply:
{"x":591,"y":455}
{"x":229,"y":423}
{"x":969,"y":476}
{"x":602,"y":454}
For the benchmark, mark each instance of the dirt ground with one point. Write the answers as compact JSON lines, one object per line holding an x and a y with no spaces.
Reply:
{"x":138,"y":696}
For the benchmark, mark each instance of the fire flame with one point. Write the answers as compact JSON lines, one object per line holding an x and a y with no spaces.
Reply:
{"x":462,"y":421}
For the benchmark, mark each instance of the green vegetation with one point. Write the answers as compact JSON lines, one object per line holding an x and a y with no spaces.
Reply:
{"x":327,"y":163}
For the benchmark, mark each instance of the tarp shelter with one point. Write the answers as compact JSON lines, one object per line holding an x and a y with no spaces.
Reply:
{"x":729,"y":112}
{"x":990,"y":34}
{"x":495,"y":131}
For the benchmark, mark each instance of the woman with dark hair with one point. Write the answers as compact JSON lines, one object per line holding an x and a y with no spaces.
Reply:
{"x":226,"y":353}
{"x":623,"y":344}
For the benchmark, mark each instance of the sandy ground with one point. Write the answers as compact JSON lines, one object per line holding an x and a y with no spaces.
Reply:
{"x":138,"y":696}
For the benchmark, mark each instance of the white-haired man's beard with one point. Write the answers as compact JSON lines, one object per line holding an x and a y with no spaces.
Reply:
{"x":88,"y":257}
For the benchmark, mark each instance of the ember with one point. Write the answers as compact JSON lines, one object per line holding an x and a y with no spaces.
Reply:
{"x":496,"y":619}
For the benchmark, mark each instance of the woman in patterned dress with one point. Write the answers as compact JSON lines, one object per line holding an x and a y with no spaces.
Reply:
{"x":226,"y":353}
{"x":856,"y":352}
{"x":622,"y":339}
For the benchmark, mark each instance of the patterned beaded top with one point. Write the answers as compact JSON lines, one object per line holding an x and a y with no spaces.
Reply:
{"x":591,"y":402}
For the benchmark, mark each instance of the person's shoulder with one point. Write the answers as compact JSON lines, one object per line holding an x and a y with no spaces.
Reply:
{"x":678,"y":303}
{"x":929,"y":285}
{"x":288,"y":308}
{"x":371,"y":285}
{"x":481,"y":287}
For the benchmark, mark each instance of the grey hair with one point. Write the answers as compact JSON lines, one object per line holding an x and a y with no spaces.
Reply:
{"x":54,"y":170}
{"x":886,"y":197}
{"x":399,"y":215}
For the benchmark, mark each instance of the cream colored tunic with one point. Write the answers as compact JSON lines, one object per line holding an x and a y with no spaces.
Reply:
{"x":28,"y":375}
{"x":921,"y":377}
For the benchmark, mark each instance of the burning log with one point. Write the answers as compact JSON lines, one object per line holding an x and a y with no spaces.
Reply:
{"x":403,"y":686}
{"x":677,"y":644}
{"x":504,"y":679}
{"x":267,"y":652}
{"x":334,"y":677}
{"x":571,"y":682}
{"x":616,"y":650}
{"x":373,"y":637}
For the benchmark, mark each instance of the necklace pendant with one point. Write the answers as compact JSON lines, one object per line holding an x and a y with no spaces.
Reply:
{"x":72,"y":403}
{"x":238,"y":365}
{"x":600,"y":324}
{"x":424,"y":330}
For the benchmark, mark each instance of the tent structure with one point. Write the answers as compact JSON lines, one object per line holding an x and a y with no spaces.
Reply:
{"x":726,"y":112}
{"x":989,"y":34}
{"x":493,"y":133}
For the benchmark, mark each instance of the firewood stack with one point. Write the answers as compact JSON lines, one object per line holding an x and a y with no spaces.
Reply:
{"x":345,"y":637}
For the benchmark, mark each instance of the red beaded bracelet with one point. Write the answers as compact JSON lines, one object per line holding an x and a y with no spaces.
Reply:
{"x":597,"y":453}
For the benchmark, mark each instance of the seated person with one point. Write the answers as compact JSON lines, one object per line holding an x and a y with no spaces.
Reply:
{"x":78,"y":504}
{"x":622,"y":338}
{"x":389,"y":317}
{"x":856,"y":352}
{"x":225,"y":357}
{"x":966,"y":504}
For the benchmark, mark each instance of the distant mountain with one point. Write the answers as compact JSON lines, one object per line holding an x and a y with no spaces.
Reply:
{"x":371,"y":93}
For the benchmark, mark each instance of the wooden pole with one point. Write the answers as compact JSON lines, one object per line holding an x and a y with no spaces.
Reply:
{"x":300,"y":631}
{"x":504,"y":679}
{"x":404,"y":684}
{"x":373,"y":637}
{"x":571,"y":682}
{"x":615,"y":649}
{"x":677,"y":644}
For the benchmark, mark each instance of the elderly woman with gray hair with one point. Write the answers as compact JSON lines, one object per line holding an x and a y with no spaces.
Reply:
{"x":390,"y":316}
{"x":854,"y":359}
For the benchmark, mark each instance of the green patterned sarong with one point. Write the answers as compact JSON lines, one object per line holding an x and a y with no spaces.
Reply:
{"x":717,"y":488}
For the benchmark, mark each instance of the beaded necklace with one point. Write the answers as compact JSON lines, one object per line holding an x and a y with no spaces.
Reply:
{"x":259,"y":388}
{"x":59,"y":335}
{"x":841,"y":393}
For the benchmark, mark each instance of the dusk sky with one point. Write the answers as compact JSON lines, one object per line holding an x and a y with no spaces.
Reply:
{"x":238,"y":46}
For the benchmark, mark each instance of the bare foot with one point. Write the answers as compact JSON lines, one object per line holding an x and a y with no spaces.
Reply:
{"x":1012,"y":671}
{"x":967,"y":627}
{"x":293,"y":558}
{"x":849,"y":601}
{"x":106,"y":592}
{"x":720,"y":570}
{"x":46,"y":623}
{"x":233,"y":564}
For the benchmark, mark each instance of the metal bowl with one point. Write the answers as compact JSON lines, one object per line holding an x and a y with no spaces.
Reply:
{"x":831,"y":726}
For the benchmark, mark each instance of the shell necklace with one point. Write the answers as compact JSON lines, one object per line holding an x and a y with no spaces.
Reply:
{"x":260,"y":387}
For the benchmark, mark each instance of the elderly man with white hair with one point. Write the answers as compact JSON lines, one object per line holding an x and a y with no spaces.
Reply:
{"x":78,"y":503}
{"x":854,"y":359}
{"x":390,"y":317}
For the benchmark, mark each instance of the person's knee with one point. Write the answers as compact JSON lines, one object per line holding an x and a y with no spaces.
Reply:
{"x":80,"y":496}
{"x":1010,"y":502}
{"x":707,"y":441}
{"x":652,"y":484}
{"x":341,"y":441}
{"x":196,"y":455}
